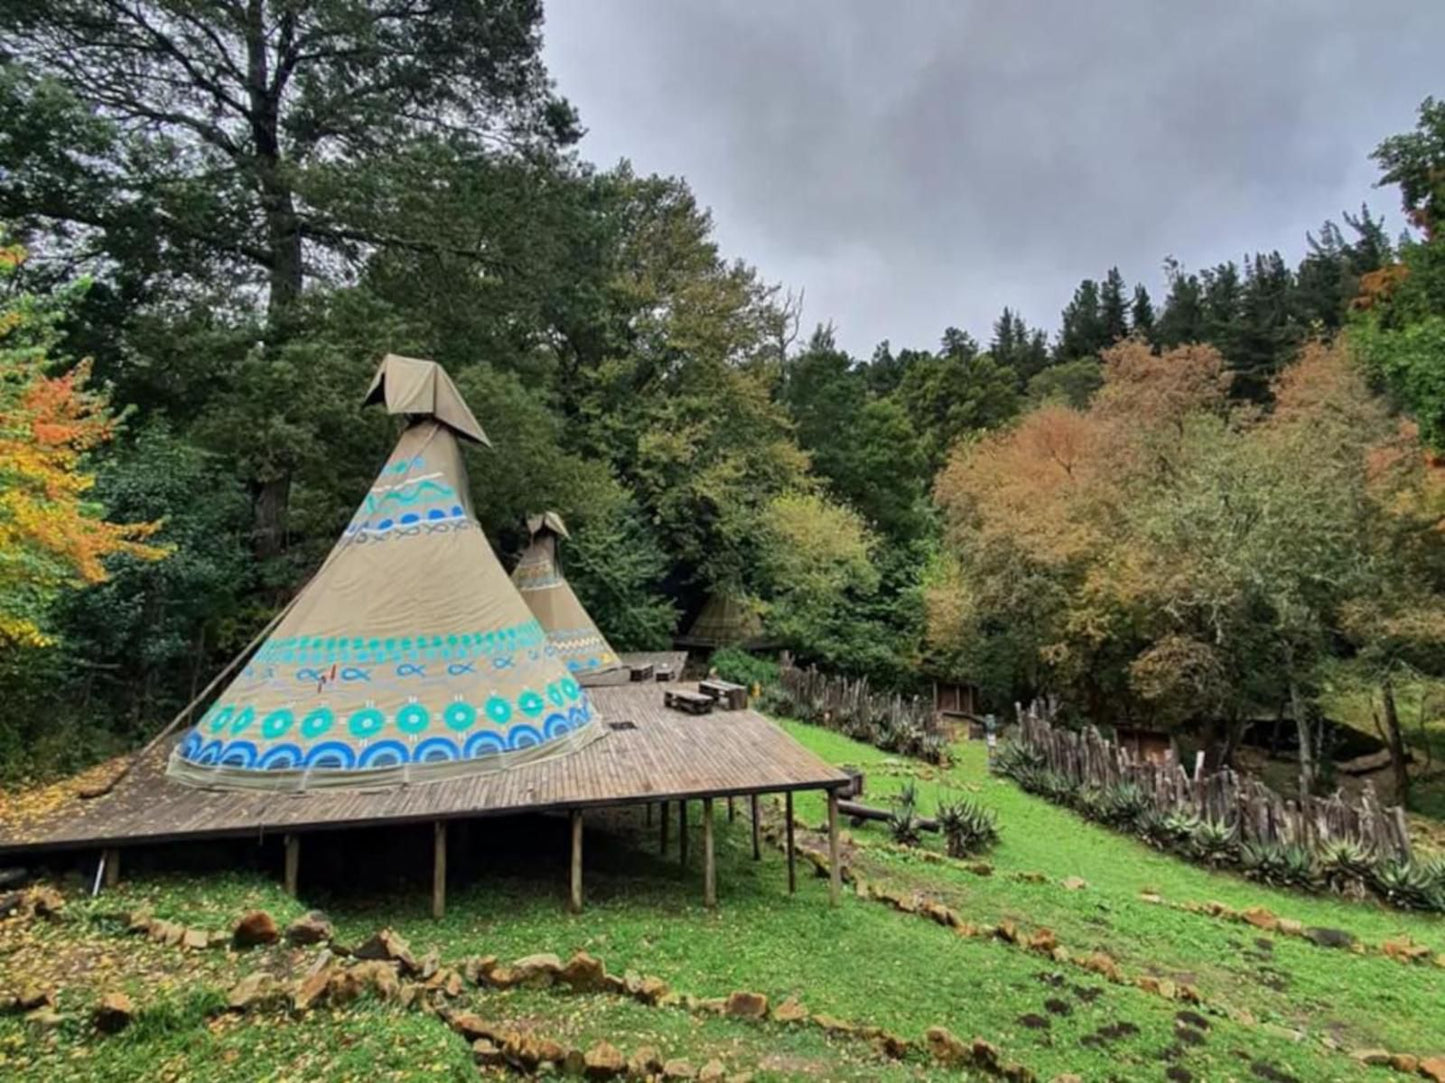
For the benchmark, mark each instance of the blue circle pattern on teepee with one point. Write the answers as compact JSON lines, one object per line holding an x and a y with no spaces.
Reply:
{"x":387,"y":752}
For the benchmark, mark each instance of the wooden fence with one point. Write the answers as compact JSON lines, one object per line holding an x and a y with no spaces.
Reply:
{"x":895,"y":722}
{"x":1245,"y":803}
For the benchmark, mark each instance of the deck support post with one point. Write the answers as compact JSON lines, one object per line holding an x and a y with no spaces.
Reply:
{"x":835,"y":865}
{"x":709,"y":870}
{"x":574,"y":901}
{"x":682,"y":833}
{"x":663,"y":811}
{"x":647,"y":806}
{"x":757,"y":849}
{"x":439,"y":869}
{"x":111,"y":857}
{"x":792,"y":852}
{"x":293,"y":863}
{"x":732,"y":812}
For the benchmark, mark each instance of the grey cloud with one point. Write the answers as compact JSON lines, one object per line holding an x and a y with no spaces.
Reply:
{"x":924,"y":163}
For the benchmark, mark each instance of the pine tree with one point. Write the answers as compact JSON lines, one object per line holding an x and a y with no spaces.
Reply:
{"x":1081,"y":331}
{"x":1113,"y":308}
{"x":1182,"y":320}
{"x":1141,"y":313}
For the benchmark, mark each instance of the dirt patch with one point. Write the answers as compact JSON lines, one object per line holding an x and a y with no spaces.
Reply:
{"x":1034,"y":1021}
{"x":1053,"y":978}
{"x":1055,"y":1006}
{"x":1264,"y":1070}
{"x":1188,"y":1036}
{"x":1087,"y":993}
{"x":1113,"y":1032}
{"x":1177,"y":1074}
{"x":1192,"y":1019}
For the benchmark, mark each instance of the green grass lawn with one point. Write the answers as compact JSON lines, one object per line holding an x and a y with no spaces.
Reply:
{"x":862,"y":962}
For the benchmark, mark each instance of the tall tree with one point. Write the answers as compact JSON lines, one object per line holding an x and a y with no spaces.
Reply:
{"x":1182,"y":319}
{"x":1141,"y":312}
{"x":1416,"y":162}
{"x":1114,"y":307}
{"x":1081,"y":330}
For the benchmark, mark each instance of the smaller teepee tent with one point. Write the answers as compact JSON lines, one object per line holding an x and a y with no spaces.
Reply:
{"x":580,"y":645}
{"x":726,"y":620}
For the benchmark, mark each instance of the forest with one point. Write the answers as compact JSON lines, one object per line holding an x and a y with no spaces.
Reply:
{"x":1188,"y":510}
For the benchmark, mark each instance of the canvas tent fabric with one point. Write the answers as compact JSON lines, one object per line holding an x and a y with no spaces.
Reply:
{"x":410,"y":656}
{"x":725,"y":621}
{"x":407,"y":385}
{"x":579,"y":642}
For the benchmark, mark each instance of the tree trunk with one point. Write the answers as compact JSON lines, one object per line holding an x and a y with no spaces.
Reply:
{"x":270,"y":527}
{"x":1302,"y":726}
{"x":1396,"y":739}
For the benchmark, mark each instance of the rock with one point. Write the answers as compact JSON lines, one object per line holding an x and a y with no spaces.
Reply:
{"x":45,"y":1017}
{"x":652,"y":990}
{"x":1405,"y":1062}
{"x":584,"y":973}
{"x":476,"y":969}
{"x":980,"y":868}
{"x":253,"y":991}
{"x":1148,"y":897}
{"x":388,"y":946}
{"x":741,"y":1077}
{"x":46,"y":901}
{"x":311,"y":989}
{"x":430,"y":963}
{"x":1043,"y":940}
{"x":1102,"y":963}
{"x":313,"y":928}
{"x":217,"y":939}
{"x":940,"y":913}
{"x":1433,"y":1068}
{"x":1261,"y":918}
{"x":945,"y":1048}
{"x":712,"y":1072}
{"x":1031,"y":877}
{"x":678,"y":1069}
{"x":487,"y":1055}
{"x":1074,"y":883}
{"x":833,"y":1025}
{"x":452,"y":985}
{"x":255,"y":928}
{"x":1405,"y":950}
{"x":1067,"y":1077}
{"x":1373,"y":1057}
{"x":985,"y":1054}
{"x":645,"y":1061}
{"x":1291,"y":927}
{"x":891,"y":1045}
{"x":536,"y":971}
{"x":746,"y":1006}
{"x":195,"y":939}
{"x":32,"y":997}
{"x":472,"y":1027}
{"x":139,"y":921}
{"x":381,"y":978}
{"x":1007,"y":932}
{"x":604,"y":1061}
{"x":790,"y":1011}
{"x":1329,"y":938}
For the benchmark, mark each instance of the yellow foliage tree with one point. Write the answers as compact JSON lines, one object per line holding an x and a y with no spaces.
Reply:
{"x":51,"y":536}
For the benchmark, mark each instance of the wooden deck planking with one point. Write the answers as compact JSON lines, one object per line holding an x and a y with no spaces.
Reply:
{"x":669,"y":755}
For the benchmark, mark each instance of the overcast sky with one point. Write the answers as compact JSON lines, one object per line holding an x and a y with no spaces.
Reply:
{"x":919,"y":163}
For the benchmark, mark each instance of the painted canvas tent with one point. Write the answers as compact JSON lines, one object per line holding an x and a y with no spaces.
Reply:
{"x":410,"y":656}
{"x":725,"y":621}
{"x":538,"y":575}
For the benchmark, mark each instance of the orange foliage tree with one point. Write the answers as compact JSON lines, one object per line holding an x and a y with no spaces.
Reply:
{"x":51,"y":536}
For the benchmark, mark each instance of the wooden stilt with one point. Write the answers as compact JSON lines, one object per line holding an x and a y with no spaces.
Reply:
{"x":111,"y":858}
{"x":682,"y":833}
{"x":792,"y":853}
{"x":575,"y":900}
{"x":293,"y":864}
{"x":439,"y":870}
{"x":835,"y":865}
{"x":732,"y":813}
{"x":648,"y":807}
{"x":709,"y":870}
{"x":663,"y":811}
{"x":757,"y":849}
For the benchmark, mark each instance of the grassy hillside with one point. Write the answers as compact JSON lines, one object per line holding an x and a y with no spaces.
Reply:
{"x":1274,"y":1006}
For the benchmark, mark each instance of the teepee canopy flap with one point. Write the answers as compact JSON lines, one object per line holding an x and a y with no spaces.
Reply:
{"x":420,"y":389}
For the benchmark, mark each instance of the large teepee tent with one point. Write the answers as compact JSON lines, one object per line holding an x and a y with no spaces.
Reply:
{"x":582,"y":647}
{"x":410,"y":656}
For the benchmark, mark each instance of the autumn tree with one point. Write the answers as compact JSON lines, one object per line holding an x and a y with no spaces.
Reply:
{"x":52,"y":536}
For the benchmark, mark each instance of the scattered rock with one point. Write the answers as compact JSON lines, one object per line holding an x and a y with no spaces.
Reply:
{"x":139,"y":921}
{"x":1067,"y":1077}
{"x":113,"y":1012}
{"x":678,"y":1069}
{"x":834,"y":1025}
{"x":712,"y":1072}
{"x":1261,"y":917}
{"x":1433,"y":1068}
{"x":311,"y":989}
{"x":473,"y":1027}
{"x":1074,"y":883}
{"x":1043,"y":940}
{"x":1102,"y":963}
{"x":1373,"y":1057}
{"x":645,"y":1061}
{"x":1405,"y":1062}
{"x":1291,"y":927}
{"x":1161,"y":987}
{"x":1329,"y":938}
{"x":1031,"y":877}
{"x":944,"y":1047}
{"x":313,"y":928}
{"x":584,"y":973}
{"x":742,"y":1005}
{"x":1007,"y":932}
{"x":1405,"y":950}
{"x":254,"y":928}
{"x":604,"y":1061}
{"x":536,"y":971}
{"x":252,"y":991}
{"x":487,"y":1055}
{"x":891,"y":1045}
{"x":430,"y":963}
{"x":388,"y":946}
{"x":477,"y":968}
{"x":195,"y":939}
{"x":790,"y":1011}
{"x":652,"y":990}
{"x":45,"y":1017}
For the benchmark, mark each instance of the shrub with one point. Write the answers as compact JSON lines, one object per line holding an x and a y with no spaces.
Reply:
{"x":1345,"y":865}
{"x":740,"y":667}
{"x":1301,"y":870}
{"x":1013,"y":757}
{"x":1178,"y":831}
{"x":1213,"y":842}
{"x":968,"y":828}
{"x":1263,"y":861}
{"x":1124,"y":806}
{"x":1406,"y":885}
{"x":903,"y":820}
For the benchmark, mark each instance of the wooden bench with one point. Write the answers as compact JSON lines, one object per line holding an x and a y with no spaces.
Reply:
{"x":691,"y":702}
{"x":858,"y":813}
{"x":663,"y":673}
{"x":641,"y":672}
{"x":729,"y":696}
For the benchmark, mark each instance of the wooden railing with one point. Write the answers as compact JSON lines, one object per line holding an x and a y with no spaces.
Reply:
{"x":1245,"y":803}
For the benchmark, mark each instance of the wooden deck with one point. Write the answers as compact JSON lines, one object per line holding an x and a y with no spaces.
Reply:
{"x":665,"y":755}
{"x":674,"y":660}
